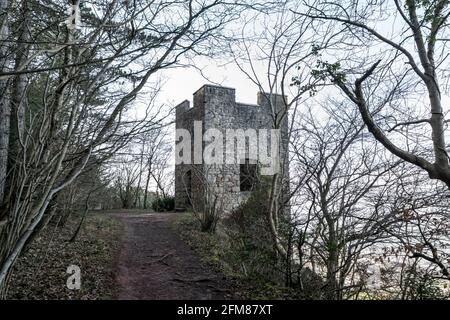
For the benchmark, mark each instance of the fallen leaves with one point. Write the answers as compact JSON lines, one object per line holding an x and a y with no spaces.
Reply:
{"x":40,"y":273}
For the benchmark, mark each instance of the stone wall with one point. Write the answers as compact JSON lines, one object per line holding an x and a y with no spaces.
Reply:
{"x":217,"y":108}
{"x":185,"y":173}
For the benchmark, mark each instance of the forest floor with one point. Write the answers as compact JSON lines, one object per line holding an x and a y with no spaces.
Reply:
{"x":154,"y":263}
{"x":122,"y":254}
{"x":41,"y":270}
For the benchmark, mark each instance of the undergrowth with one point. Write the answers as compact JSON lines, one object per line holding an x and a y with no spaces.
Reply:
{"x":233,"y":256}
{"x":41,"y":271}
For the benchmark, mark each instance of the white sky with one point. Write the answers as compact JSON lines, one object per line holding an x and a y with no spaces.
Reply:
{"x":180,"y":83}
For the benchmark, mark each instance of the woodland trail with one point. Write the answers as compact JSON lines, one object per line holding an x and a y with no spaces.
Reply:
{"x":154,"y":263}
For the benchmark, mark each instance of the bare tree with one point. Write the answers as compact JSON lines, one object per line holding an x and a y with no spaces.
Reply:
{"x":127,"y":174}
{"x":409,"y":68}
{"x":207,"y":199}
{"x":278,"y":45}
{"x":83,"y":77}
{"x":157,"y":151}
{"x":347,"y":178}
{"x":4,"y":98}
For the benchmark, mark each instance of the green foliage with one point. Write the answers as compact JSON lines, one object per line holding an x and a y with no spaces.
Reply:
{"x":315,"y":50}
{"x":325,"y":69}
{"x":423,"y":286}
{"x":433,"y":10}
{"x":162,"y":204}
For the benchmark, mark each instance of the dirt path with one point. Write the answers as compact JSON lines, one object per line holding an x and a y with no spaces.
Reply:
{"x":155,"y":263}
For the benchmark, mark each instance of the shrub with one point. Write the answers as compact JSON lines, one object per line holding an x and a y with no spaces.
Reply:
{"x":209,"y":215}
{"x":253,"y":252}
{"x":248,"y":232}
{"x":162,"y":204}
{"x":422,"y":286}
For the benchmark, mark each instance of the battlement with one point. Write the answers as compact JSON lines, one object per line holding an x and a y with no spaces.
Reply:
{"x":216,"y":108}
{"x":183,"y":107}
{"x":214,"y":89}
{"x":213,"y":93}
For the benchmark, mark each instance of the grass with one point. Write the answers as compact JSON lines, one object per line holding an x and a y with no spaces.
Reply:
{"x":215,"y":250}
{"x":40,"y":272}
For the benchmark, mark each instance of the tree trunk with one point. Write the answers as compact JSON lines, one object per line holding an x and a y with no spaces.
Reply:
{"x":4,"y":101}
{"x":19,"y":90}
{"x":137,"y":196}
{"x":146,"y":189}
{"x":146,"y":186}
{"x":332,"y":287}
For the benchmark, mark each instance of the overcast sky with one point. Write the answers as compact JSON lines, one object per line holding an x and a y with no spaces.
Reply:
{"x":181,"y":83}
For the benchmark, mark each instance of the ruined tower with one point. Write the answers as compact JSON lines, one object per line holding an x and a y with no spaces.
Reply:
{"x":216,"y":108}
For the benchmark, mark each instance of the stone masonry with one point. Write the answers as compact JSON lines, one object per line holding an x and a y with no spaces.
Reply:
{"x":216,"y":107}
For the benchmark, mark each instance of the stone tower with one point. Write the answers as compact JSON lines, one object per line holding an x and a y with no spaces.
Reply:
{"x":216,"y":108}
